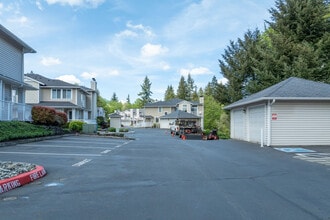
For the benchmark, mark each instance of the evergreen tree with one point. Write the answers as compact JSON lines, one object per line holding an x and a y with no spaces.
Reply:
{"x":200,"y":92}
{"x":169,"y":93}
{"x":191,"y":88}
{"x":146,"y":92}
{"x":195,"y":96}
{"x":114,"y":97}
{"x":299,"y":36}
{"x":182,"y":92}
{"x":128,"y":100}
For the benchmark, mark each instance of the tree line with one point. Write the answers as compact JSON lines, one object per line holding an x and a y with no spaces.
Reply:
{"x":295,"y":42}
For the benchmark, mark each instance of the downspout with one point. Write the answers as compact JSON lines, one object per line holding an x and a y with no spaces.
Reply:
{"x":269,"y":118}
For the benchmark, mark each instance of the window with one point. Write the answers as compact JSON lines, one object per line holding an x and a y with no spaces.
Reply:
{"x":61,"y":93}
{"x":56,"y":93}
{"x":160,"y":109}
{"x":66,"y":93}
{"x":83,"y":100}
{"x":184,"y":108}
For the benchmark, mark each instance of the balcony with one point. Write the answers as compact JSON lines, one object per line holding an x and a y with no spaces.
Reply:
{"x":10,"y":111}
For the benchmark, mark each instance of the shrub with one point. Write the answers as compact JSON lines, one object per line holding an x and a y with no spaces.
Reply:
{"x":206,"y":131}
{"x":43,"y":115}
{"x":123,"y":130}
{"x":61,"y":118}
{"x":112,"y":129}
{"x":101,"y":122}
{"x":76,"y":126}
{"x":11,"y":130}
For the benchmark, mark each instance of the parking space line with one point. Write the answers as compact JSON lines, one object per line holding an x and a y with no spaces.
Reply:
{"x":58,"y":146}
{"x":81,"y":163}
{"x":120,"y":145}
{"x":52,"y":154}
{"x":105,"y":152}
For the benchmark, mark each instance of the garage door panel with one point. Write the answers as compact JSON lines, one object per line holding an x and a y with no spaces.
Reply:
{"x":256,"y":118}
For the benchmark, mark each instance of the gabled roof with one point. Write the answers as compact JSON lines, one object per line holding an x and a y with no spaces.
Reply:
{"x":178,"y":114}
{"x":292,"y":88}
{"x":115,"y":115}
{"x":50,"y":82}
{"x":169,"y":103}
{"x":10,"y":37}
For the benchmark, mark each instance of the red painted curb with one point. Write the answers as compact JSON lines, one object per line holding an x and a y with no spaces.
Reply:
{"x":21,"y":179}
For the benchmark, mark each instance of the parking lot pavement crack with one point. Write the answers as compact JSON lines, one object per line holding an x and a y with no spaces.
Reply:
{"x":269,"y":174}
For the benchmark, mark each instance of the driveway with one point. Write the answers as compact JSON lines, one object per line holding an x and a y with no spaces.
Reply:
{"x":157,"y":176}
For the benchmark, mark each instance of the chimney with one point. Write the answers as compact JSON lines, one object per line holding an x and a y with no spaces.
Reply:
{"x":93,"y":84}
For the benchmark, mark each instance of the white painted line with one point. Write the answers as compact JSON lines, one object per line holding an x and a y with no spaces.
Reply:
{"x":105,"y":152}
{"x":120,"y":145}
{"x":81,"y":163}
{"x":56,"y":146}
{"x":52,"y":154}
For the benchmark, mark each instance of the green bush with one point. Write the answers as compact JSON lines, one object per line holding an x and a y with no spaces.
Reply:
{"x":112,"y":129}
{"x":123,"y":130}
{"x":101,"y":122}
{"x":11,"y":130}
{"x":76,"y":126}
{"x":206,"y":131}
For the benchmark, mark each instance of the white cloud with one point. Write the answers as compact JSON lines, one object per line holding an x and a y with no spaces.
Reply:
{"x":39,"y":5}
{"x":223,"y":81}
{"x":150,"y":50}
{"x":113,"y":73}
{"x":88,"y":3}
{"x":87,"y":75}
{"x":146,"y":30}
{"x":69,"y":79}
{"x":22,"y":20}
{"x":50,"y":61}
{"x":165,"y":66}
{"x":195,"y":71}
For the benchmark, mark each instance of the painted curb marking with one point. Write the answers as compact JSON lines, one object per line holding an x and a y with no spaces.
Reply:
{"x":22,"y":179}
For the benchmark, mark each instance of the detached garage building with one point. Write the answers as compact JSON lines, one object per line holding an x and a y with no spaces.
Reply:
{"x":293,"y":112}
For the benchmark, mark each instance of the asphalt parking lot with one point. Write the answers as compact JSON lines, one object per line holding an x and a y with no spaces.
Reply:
{"x":157,"y":176}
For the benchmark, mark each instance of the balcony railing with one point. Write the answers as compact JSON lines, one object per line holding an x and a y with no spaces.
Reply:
{"x":10,"y":111}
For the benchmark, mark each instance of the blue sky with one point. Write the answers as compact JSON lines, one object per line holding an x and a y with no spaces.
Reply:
{"x":119,"y":42}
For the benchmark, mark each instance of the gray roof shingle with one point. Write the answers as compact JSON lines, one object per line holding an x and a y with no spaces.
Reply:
{"x":169,"y":103}
{"x":292,"y":88}
{"x":56,"y":104}
{"x":180,"y":115}
{"x":50,"y":82}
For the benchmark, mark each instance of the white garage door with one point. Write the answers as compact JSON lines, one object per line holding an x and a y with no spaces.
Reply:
{"x":165,"y":123}
{"x":256,"y":119}
{"x":237,"y":125}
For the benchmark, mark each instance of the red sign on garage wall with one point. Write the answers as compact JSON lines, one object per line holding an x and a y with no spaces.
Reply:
{"x":274,"y":116}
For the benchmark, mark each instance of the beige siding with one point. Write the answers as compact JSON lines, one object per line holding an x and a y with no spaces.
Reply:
{"x":300,"y":123}
{"x":32,"y":96}
{"x":45,"y":94}
{"x":185,"y":106}
{"x":156,"y":113}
